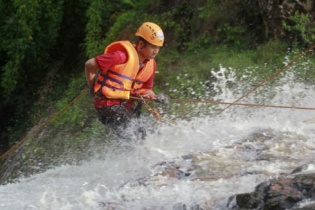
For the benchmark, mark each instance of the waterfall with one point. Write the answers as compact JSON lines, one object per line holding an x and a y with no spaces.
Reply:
{"x":199,"y":162}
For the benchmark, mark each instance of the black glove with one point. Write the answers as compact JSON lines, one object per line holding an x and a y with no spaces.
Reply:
{"x":162,"y":98}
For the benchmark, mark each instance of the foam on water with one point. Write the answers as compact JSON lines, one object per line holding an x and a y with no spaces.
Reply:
{"x":233,"y":139}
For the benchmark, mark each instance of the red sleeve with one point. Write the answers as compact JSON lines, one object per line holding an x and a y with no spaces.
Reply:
{"x":149,"y":83}
{"x":107,"y":60}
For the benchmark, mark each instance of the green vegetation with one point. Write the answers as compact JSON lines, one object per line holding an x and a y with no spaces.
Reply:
{"x":301,"y":28}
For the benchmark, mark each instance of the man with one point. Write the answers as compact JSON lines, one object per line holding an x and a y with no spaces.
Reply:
{"x":124,"y":70}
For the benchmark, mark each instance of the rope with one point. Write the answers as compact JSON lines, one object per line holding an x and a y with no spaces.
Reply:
{"x":269,"y":78}
{"x":242,"y":104}
{"x":230,"y":103}
{"x":41,"y":126}
{"x":157,"y":115}
{"x":153,"y":111}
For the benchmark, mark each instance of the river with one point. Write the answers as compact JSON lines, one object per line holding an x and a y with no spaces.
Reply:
{"x":197,"y":163}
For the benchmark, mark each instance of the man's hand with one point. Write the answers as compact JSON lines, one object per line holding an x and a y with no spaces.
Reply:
{"x":146,"y":93}
{"x":90,"y":71}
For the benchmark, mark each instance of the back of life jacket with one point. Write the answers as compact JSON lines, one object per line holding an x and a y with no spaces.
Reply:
{"x":123,"y":79}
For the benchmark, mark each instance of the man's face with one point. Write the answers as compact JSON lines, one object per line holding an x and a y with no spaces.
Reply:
{"x":149,"y":51}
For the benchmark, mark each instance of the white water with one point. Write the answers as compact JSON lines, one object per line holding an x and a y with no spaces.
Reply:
{"x":218,"y":144}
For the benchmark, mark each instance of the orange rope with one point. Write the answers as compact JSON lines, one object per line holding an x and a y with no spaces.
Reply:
{"x":41,"y":126}
{"x":157,"y":115}
{"x":242,"y":104}
{"x":153,"y":111}
{"x":231,"y":103}
{"x":269,"y":78}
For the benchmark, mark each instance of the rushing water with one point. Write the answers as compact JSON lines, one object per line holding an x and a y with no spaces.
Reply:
{"x":198,"y":162}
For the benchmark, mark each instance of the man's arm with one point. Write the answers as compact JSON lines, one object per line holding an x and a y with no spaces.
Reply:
{"x":103,"y":63}
{"x":90,"y":71}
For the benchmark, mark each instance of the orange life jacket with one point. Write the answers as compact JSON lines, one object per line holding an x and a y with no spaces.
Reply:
{"x":122,"y":80}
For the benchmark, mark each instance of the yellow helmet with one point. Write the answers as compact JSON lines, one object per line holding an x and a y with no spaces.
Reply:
{"x":152,"y":33}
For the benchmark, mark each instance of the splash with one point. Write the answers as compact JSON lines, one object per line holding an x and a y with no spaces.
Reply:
{"x":197,"y":163}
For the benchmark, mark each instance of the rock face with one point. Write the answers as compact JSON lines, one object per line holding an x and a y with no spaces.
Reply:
{"x":274,"y":12}
{"x":287,"y":191}
{"x":281,"y":193}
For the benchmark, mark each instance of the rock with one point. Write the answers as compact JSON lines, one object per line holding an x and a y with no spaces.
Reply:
{"x":281,"y":193}
{"x":274,"y":12}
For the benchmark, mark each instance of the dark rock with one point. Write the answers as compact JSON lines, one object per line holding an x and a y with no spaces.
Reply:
{"x":305,"y":207}
{"x":281,"y":193}
{"x":274,"y":12}
{"x":304,"y":168}
{"x":181,"y":206}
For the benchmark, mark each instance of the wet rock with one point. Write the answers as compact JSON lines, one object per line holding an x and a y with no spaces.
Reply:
{"x":181,"y":206}
{"x":304,"y":168}
{"x":214,"y":165}
{"x":282,"y":193}
{"x":305,"y":207}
